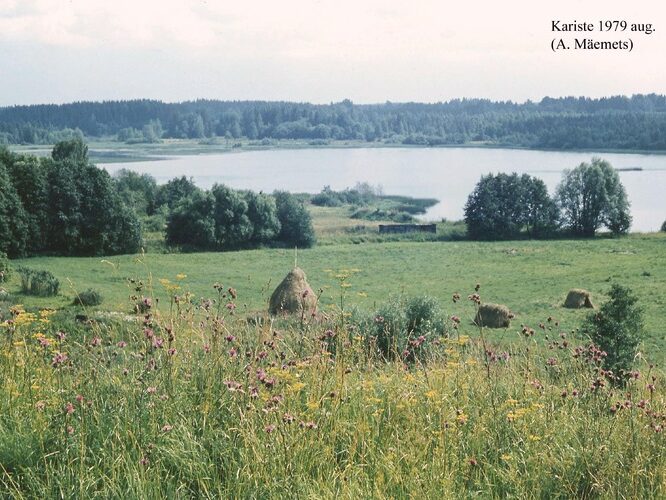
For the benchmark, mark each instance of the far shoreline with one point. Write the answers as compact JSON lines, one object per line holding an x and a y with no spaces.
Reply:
{"x":110,"y":151}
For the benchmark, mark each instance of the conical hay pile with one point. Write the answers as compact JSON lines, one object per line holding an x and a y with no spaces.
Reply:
{"x":493,"y":316}
{"x":578,"y":298}
{"x":293,"y":295}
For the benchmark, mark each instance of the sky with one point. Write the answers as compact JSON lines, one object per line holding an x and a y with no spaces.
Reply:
{"x":54,"y":51}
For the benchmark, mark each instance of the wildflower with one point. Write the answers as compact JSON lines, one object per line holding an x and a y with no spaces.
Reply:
{"x":96,"y":341}
{"x":79,"y":398}
{"x":231,"y":306}
{"x":254,"y":392}
{"x":40,"y":405}
{"x":157,"y":342}
{"x":456,"y":297}
{"x":206,"y":348}
{"x":472,"y":462}
{"x":232,"y":293}
{"x":70,"y":430}
{"x":233,"y":352}
{"x":167,"y":428}
{"x":229,"y":338}
{"x":172,"y":351}
{"x":148,"y":332}
{"x":270,"y":428}
{"x":144,"y":461}
{"x":69,"y":408}
{"x":551,"y":362}
{"x":151,"y":390}
{"x":44,"y":342}
{"x":307,"y":425}
{"x":288,"y":418}
{"x":59,"y":359}
{"x":122,"y":344}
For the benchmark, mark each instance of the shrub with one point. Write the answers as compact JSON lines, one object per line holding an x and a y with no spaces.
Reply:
{"x":403,"y":327}
{"x":90,"y":297}
{"x":389,"y":333}
{"x":663,"y":227}
{"x":5,"y":268}
{"x":617,"y":328}
{"x":424,"y":316}
{"x":40,"y":283}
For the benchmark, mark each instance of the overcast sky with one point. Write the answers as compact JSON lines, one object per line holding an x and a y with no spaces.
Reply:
{"x":317,"y":50}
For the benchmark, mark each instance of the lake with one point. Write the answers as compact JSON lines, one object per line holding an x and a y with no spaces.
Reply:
{"x":448,"y":174}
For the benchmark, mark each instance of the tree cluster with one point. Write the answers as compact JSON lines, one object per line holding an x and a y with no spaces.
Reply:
{"x":509,"y":206}
{"x":62,"y":205}
{"x":637,"y":122}
{"x":228,"y":219}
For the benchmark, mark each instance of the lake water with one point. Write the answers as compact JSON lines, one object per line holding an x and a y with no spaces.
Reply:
{"x":448,"y":174}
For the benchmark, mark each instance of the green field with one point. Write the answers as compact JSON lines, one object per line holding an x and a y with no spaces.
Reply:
{"x":531,"y":277}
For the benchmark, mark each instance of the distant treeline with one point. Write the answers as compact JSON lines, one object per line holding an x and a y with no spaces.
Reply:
{"x":636,"y":122}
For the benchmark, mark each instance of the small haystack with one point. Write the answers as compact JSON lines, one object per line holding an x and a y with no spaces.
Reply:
{"x":578,"y":298}
{"x":493,"y":316}
{"x":293,"y":295}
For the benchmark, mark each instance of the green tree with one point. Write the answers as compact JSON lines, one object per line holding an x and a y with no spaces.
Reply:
{"x":539,"y":212}
{"x":191,"y":223}
{"x":14,"y":230}
{"x":74,"y":150}
{"x":295,"y":221}
{"x":262,"y":213}
{"x":493,"y":210}
{"x":233,"y":227}
{"x":137,"y":190}
{"x":591,"y":196}
{"x":172,"y":192}
{"x":28,"y":174}
{"x":617,"y":328}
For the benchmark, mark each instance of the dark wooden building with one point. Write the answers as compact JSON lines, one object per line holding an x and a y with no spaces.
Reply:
{"x":407,"y":228}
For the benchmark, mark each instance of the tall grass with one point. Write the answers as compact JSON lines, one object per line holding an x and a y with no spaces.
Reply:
{"x":189,"y":399}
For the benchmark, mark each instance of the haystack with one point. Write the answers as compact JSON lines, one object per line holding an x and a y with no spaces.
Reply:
{"x":578,"y":298}
{"x":293,"y":295}
{"x":493,"y":316}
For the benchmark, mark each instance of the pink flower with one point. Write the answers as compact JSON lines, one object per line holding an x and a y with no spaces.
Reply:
{"x":122,"y":344}
{"x":59,"y":359}
{"x":96,"y":341}
{"x":270,"y":428}
{"x":167,"y":428}
{"x":151,"y":390}
{"x":69,"y":408}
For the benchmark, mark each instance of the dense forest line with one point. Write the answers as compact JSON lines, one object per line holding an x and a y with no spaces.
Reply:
{"x":632,"y":123}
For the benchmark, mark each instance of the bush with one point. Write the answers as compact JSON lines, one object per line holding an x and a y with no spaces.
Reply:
{"x":404,"y":327}
{"x":663,"y":227}
{"x":424,"y":316}
{"x":5,"y":268}
{"x":90,"y":297}
{"x":617,"y":329}
{"x":40,"y":283}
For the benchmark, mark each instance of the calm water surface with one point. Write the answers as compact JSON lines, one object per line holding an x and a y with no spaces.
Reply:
{"x":448,"y":174}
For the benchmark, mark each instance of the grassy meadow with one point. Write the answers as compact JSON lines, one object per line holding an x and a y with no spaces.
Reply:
{"x":190,"y":399}
{"x":531,"y":277}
